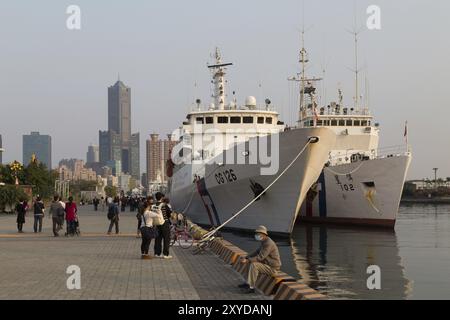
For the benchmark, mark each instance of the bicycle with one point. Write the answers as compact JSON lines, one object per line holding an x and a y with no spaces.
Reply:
{"x":181,"y":235}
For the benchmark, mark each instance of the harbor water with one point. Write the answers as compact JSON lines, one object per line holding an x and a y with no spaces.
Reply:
{"x":414,"y":259}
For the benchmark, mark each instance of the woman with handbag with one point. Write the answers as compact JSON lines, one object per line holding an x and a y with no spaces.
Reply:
{"x":148,"y":230}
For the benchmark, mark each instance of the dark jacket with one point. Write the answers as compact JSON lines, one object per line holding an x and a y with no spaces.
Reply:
{"x":21,"y":211}
{"x":39,"y":208}
{"x":267,"y":254}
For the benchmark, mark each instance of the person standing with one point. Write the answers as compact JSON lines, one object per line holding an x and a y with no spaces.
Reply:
{"x":71,"y":215}
{"x":55,"y":211}
{"x":95,"y":202}
{"x":266,"y":259}
{"x":113,"y":215}
{"x":39,"y":211}
{"x":102,"y":202}
{"x":140,"y":212}
{"x":21,"y":209}
{"x":164,"y":231}
{"x":148,"y":231}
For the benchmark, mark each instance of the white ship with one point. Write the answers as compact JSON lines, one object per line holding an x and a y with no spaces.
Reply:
{"x":218,"y":171}
{"x":360,"y":184}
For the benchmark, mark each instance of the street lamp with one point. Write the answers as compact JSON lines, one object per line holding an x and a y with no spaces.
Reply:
{"x":435,"y":177}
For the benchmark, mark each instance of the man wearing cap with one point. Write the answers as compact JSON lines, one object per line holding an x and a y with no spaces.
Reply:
{"x":265,"y":260}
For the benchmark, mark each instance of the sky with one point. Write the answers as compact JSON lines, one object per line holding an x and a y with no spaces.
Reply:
{"x":54,"y":80}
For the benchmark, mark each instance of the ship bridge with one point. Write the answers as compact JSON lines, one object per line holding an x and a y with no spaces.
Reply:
{"x":211,"y":129}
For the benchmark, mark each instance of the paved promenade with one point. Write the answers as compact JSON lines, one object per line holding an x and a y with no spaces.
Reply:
{"x":33,"y":266}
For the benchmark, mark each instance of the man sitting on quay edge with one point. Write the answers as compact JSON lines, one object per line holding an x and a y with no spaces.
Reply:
{"x":265,"y":260}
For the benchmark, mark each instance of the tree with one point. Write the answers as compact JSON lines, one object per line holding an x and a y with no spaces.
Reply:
{"x":111,"y":191}
{"x":42,"y":180}
{"x":10,"y":195}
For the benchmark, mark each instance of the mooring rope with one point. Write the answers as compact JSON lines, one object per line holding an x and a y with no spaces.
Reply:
{"x":207,"y":236}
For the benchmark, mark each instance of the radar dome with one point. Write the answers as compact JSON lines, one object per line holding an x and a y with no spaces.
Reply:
{"x":250,"y":102}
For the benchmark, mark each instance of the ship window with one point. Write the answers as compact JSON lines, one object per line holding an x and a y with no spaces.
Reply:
{"x":327,"y":122}
{"x":311,"y":123}
{"x":199,"y":120}
{"x":235,"y":119}
{"x":269,"y":120}
{"x":260,"y":120}
{"x":306,"y":123}
{"x":349,"y":123}
{"x":209,"y":120}
{"x":341,"y":123}
{"x":364,"y":123}
{"x":333,"y":123}
{"x":319,"y":122}
{"x":247,"y":119}
{"x":357,"y":123}
{"x":368,"y":123}
{"x":222,"y":120}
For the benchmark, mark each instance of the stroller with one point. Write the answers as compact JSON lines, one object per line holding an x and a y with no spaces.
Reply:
{"x":74,"y":229}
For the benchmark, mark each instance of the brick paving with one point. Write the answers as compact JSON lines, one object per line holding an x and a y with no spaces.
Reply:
{"x":33,"y":266}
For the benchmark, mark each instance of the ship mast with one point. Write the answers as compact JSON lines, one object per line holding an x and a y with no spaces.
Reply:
{"x":307,"y":88}
{"x":219,"y":72}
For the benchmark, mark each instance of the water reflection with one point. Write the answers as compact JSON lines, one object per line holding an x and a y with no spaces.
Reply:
{"x":334,"y":260}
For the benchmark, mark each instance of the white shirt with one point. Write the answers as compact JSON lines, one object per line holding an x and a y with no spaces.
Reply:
{"x":147,"y":218}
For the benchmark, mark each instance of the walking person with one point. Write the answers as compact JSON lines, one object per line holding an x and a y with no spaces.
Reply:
{"x":102,"y":202}
{"x":61,"y":217}
{"x":113,"y":215}
{"x":164,"y":231}
{"x":55,"y":211}
{"x":266,"y":259}
{"x":39,"y":211}
{"x":71,"y":215}
{"x":21,"y":209}
{"x":148,"y":231}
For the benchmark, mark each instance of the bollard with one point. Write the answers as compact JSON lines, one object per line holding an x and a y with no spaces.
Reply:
{"x":269,"y":284}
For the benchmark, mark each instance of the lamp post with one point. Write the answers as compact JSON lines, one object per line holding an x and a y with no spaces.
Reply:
{"x":435,"y":177}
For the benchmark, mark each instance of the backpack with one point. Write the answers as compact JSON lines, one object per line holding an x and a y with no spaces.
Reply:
{"x":159,"y":220}
{"x":111,"y":212}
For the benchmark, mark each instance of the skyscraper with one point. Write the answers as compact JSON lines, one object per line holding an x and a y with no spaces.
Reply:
{"x":92,"y":156}
{"x":119,"y":110}
{"x":158,"y":152}
{"x":39,"y":145}
{"x":118,"y":144}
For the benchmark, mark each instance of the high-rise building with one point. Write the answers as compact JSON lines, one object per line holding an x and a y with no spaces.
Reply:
{"x":118,"y":144}
{"x":40,"y":146}
{"x":93,"y":155}
{"x":158,"y":152}
{"x":119,"y":110}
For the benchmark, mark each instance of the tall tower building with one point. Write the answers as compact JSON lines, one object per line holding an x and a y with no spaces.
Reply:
{"x":92,"y":156}
{"x":119,"y":110}
{"x":118,"y":143}
{"x":40,"y":146}
{"x":158,"y":152}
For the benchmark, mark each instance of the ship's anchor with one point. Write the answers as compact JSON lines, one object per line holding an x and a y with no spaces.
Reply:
{"x":257,"y":189}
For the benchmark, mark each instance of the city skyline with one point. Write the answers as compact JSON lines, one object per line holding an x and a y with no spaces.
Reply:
{"x":118,"y":143}
{"x":167,"y":73}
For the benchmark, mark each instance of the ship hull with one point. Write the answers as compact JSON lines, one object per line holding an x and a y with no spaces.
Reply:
{"x":213,"y":201}
{"x":370,"y":196}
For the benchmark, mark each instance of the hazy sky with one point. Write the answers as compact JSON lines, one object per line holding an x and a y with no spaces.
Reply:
{"x":55,"y":80}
